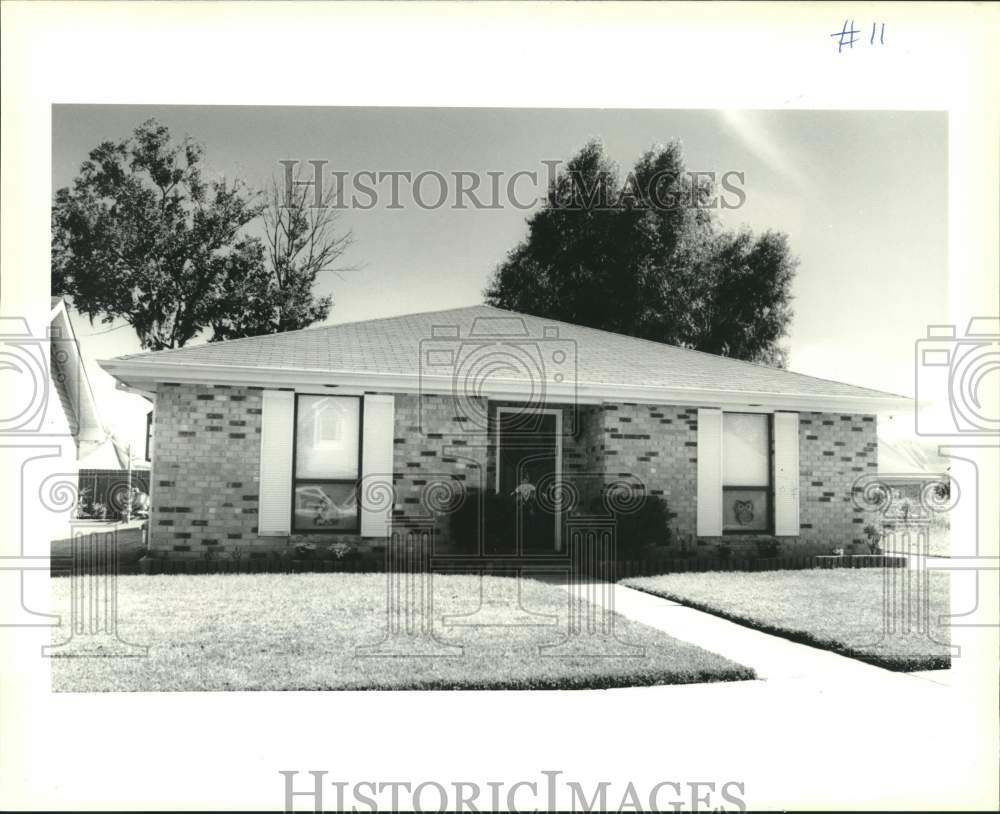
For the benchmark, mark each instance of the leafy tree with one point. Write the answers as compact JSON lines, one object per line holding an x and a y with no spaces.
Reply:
{"x":645,"y":257}
{"x":141,"y":236}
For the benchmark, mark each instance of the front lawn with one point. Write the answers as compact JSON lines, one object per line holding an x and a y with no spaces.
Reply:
{"x":938,"y":540}
{"x":839,"y":610}
{"x":300,"y":632}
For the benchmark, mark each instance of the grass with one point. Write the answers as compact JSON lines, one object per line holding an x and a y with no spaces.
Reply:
{"x":300,"y":631}
{"x":938,"y":539}
{"x":839,"y":610}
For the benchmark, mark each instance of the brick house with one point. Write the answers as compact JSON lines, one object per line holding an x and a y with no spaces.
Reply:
{"x":340,"y":433}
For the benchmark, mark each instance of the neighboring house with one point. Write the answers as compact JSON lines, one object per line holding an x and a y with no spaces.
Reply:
{"x":73,"y":411}
{"x":96,"y":457}
{"x":264,"y":441}
{"x":909,"y":468}
{"x":903,"y":458}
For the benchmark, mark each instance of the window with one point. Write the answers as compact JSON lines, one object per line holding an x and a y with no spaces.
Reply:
{"x":327,"y":463}
{"x":746,"y":472}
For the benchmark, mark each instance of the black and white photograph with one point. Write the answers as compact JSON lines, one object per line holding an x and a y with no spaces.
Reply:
{"x":409,"y":453}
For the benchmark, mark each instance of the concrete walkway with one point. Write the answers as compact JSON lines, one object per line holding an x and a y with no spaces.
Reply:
{"x":772,"y":657}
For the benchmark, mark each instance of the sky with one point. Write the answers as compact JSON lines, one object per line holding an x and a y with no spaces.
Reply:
{"x":862,"y":196}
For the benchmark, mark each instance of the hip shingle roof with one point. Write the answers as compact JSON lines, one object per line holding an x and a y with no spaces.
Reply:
{"x":395,"y":345}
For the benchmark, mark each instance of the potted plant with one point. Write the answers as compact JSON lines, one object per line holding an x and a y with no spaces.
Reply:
{"x":82,"y":509}
{"x":305,"y":551}
{"x":873,"y":536}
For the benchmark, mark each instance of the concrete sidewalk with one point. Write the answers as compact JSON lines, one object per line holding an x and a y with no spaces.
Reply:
{"x":772,"y":657}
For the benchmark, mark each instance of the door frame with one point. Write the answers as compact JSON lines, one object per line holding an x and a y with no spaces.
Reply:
{"x":558,"y":413}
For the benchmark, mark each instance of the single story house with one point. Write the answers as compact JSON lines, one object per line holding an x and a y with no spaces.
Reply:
{"x":341,"y":433}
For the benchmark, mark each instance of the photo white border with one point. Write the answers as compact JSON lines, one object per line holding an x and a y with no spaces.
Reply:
{"x":215,"y":750}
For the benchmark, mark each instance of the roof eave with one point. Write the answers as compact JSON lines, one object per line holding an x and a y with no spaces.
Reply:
{"x":145,"y":376}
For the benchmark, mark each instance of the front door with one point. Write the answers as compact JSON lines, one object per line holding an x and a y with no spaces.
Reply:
{"x":528,"y":471}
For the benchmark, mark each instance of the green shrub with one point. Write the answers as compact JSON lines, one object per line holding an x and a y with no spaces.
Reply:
{"x":768,"y":549}
{"x":649,"y":525}
{"x":499,"y":515}
{"x":644,"y":521}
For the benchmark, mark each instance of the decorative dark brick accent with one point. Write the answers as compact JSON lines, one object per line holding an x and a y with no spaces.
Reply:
{"x":205,"y":479}
{"x":826,"y":479}
{"x":201,"y":472}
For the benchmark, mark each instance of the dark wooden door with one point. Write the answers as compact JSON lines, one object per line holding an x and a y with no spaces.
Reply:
{"x":527,"y":461}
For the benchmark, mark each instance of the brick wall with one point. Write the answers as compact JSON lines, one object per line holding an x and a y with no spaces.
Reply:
{"x":439,"y":450}
{"x":583,"y":455}
{"x":206,"y":464}
{"x":834,"y":451}
{"x":207,"y":447}
{"x":658,"y":445}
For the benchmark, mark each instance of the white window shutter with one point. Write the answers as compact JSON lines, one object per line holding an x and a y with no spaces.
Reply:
{"x":375,"y":500}
{"x":709,"y":473}
{"x":274,"y":511}
{"x":786,"y":474}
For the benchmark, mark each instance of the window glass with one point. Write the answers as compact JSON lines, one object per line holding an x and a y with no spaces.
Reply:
{"x":744,"y":509}
{"x":325,"y":506}
{"x":746,"y":456}
{"x":326,"y":446}
{"x":746,"y":472}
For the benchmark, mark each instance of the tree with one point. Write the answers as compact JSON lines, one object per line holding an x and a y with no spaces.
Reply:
{"x":300,"y":242}
{"x":141,"y":236}
{"x":645,"y":257}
